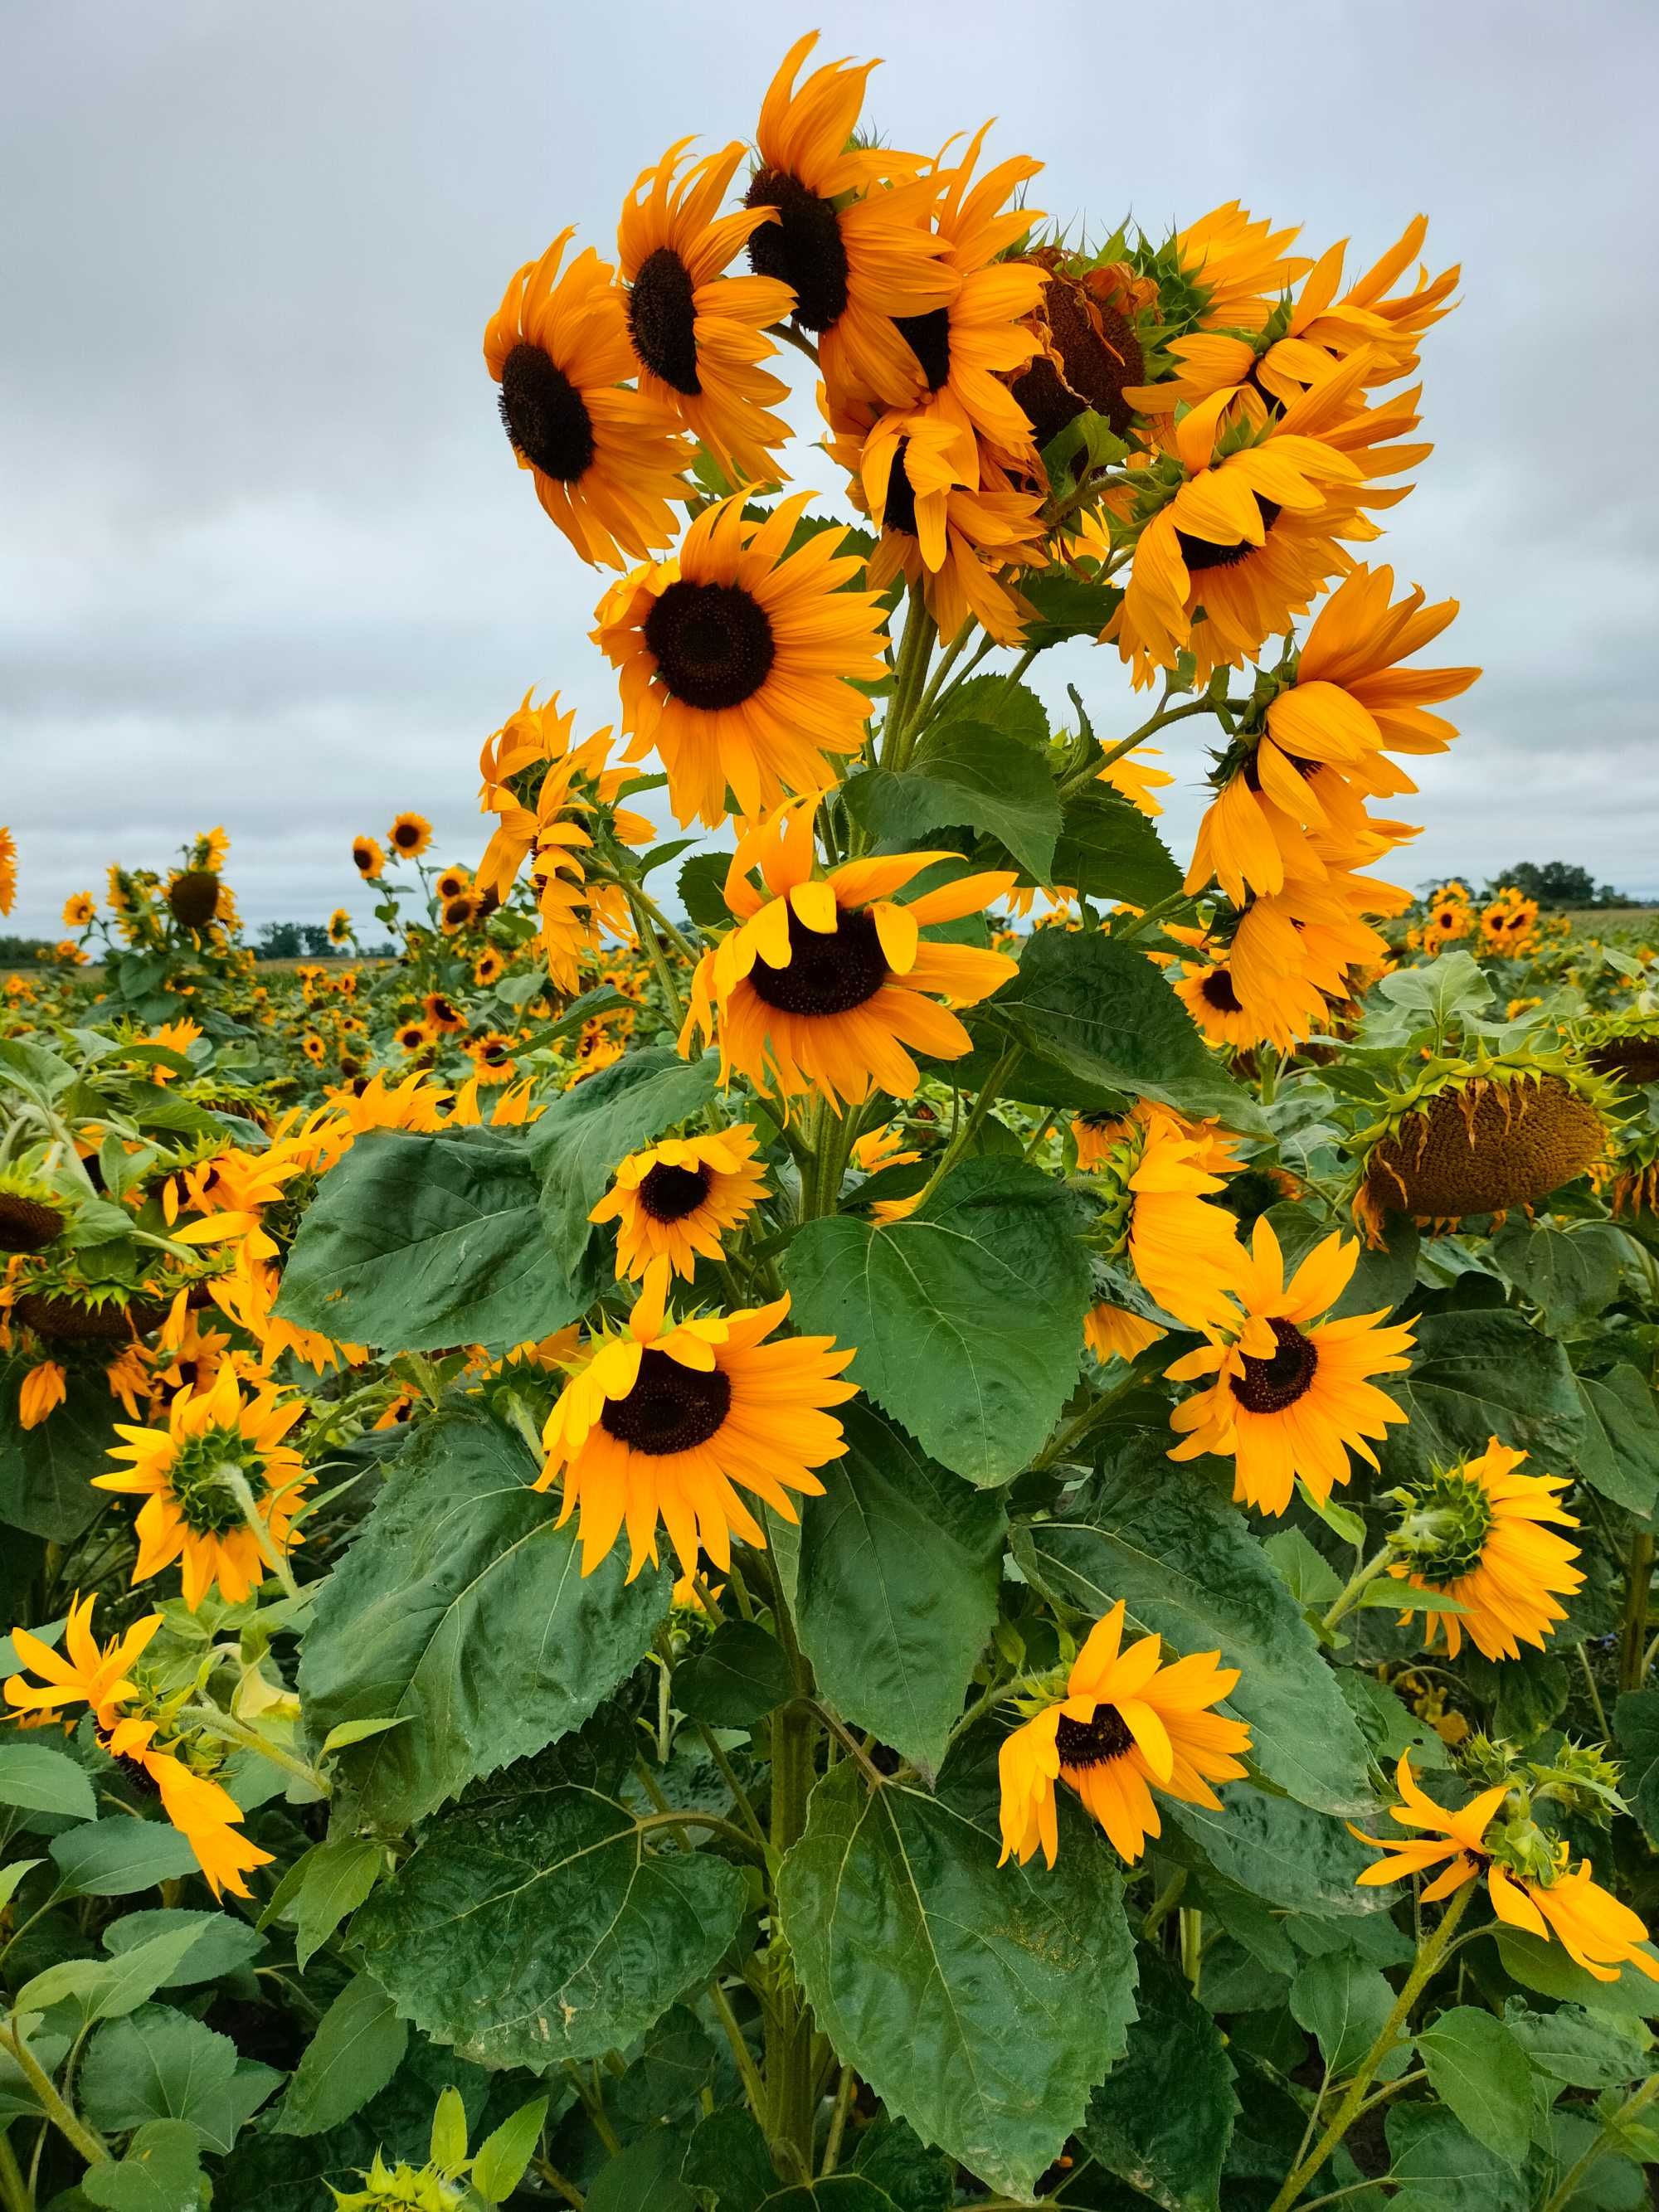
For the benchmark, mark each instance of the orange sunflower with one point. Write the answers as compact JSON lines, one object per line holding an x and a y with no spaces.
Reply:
{"x":606,"y":461}
{"x":740,"y":660}
{"x":674,"y":1201}
{"x":827,"y":981}
{"x":410,"y":836}
{"x":367,"y":859}
{"x":85,"y":1672}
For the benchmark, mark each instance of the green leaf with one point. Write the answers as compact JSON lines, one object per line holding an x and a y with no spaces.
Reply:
{"x":1158,"y":1536}
{"x":1390,"y":1596}
{"x":970,"y":775}
{"x":580,"y":1140}
{"x":463,"y":1607}
{"x":1101,"y":1016}
{"x":900,"y":1566}
{"x":220,"y":1945}
{"x":1477,"y":2068}
{"x":138,"y":1972}
{"x":1636,"y":1726}
{"x":447,"y":2145}
{"x":1438,"y":2166}
{"x":161,"y":2065}
{"x":1285,"y":1853}
{"x":980,"y":2002}
{"x":356,"y":2050}
{"x":1546,"y":1968}
{"x":349,"y":1732}
{"x":968,"y":1316}
{"x":503,"y":2155}
{"x":1309,"y":1576}
{"x":37,"y":1779}
{"x":160,"y":2171}
{"x":699,"y":882}
{"x":338,"y":1877}
{"x":1006,"y":705}
{"x":602,"y":1934}
{"x":1162,"y":2118}
{"x":1620,"y":1454}
{"x":1388,"y":1724}
{"x":1108,"y":849}
{"x":1477,"y":1374}
{"x":112,"y":1858}
{"x":736,"y":1678}
{"x":46,"y":1473}
{"x":1068,"y":605}
{"x":726,"y":2162}
{"x":644,"y":2178}
{"x":422,"y":1241}
{"x":1342,"y":2001}
{"x":1571,"y":1273}
{"x":1586,"y":2050}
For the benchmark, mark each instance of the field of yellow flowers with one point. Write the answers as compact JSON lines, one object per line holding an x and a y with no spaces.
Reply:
{"x":893,"y":1502}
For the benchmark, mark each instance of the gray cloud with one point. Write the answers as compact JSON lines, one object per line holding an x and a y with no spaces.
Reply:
{"x":264,"y":558}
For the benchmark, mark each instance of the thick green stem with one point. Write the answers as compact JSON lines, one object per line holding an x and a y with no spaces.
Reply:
{"x":1357,"y":1588}
{"x":1428,"y":1960}
{"x":1638,"y":1578}
{"x":788,"y":2021}
{"x":13,"y":2190}
{"x":91,"y":2146}
{"x":753,"y":2087}
{"x":975,"y":1122}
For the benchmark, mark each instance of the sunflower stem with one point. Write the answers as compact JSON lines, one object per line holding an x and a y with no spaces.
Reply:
{"x":211,"y":1722}
{"x":1428,"y":1959}
{"x":1639,"y":1579}
{"x":13,"y":2190}
{"x":270,"y":1551}
{"x":728,"y":1774}
{"x":845,"y":2090}
{"x":648,"y":938}
{"x":1091,"y":771}
{"x":1357,"y":1587}
{"x":970,"y":1127}
{"x":92,"y":2147}
{"x":754,"y":2089}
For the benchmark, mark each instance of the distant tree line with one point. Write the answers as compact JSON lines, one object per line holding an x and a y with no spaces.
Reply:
{"x":294,"y":940}
{"x":1553,"y":884}
{"x":15,"y":951}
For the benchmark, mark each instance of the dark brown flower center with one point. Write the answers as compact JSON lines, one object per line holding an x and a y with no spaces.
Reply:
{"x":1216,"y":990}
{"x":802,"y":249}
{"x":899,"y":511}
{"x":1092,"y":1743}
{"x":194,"y":898}
{"x":26,"y":1224}
{"x":827,"y":974}
{"x":662,"y":319}
{"x":929,"y":338}
{"x":671,"y":1408}
{"x":1100,"y":352}
{"x":713,"y":643}
{"x":669,"y":1193}
{"x":1200,"y":553}
{"x":544,"y":414}
{"x":1268,"y":1386}
{"x":1628,"y":1060}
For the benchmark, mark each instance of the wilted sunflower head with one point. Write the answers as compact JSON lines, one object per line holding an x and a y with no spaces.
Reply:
{"x":1623,"y":1048}
{"x":194,"y":898}
{"x":339,"y":926}
{"x":1090,"y":352}
{"x":1480,"y":1136}
{"x":31,"y":1212}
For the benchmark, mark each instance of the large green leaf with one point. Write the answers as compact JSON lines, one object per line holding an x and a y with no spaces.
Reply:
{"x":1108,"y":849}
{"x":461,"y":1609}
{"x":112,"y":1858}
{"x":1636,"y":1726}
{"x":735,"y":1679}
{"x":1102,"y":1015}
{"x":220,"y":1945}
{"x":1476,"y":1374}
{"x":1620,"y":1454}
{"x":1477,"y":2067}
{"x":1438,"y":2166}
{"x":899,"y":1566}
{"x":419,"y":1242}
{"x":539,"y":1927}
{"x":35,"y":1778}
{"x":159,"y":2171}
{"x":579,"y":1141}
{"x":161,"y":2065}
{"x":1160,"y":1537}
{"x":356,"y":2050}
{"x":1163,"y":2117}
{"x":1284,"y":1853}
{"x":968,"y":1316}
{"x":1570,"y":1272}
{"x":980,"y":2002}
{"x":967,"y":776}
{"x":1590,"y":2051}
{"x":1342,"y":2000}
{"x":46,"y":1473}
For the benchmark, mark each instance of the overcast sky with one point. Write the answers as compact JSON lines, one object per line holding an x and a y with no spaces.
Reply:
{"x":265,"y":556}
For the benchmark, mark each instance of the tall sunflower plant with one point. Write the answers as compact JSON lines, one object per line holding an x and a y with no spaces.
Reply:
{"x":847,"y":1489}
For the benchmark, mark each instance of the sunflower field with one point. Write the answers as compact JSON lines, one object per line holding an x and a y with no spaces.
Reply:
{"x":822,"y":1485}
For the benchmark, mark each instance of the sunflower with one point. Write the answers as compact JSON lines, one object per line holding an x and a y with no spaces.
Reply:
{"x":1594,"y":1929}
{"x":31,"y":1215}
{"x":1124,"y":1726}
{"x":339,"y":926}
{"x":411,"y":1036}
{"x":605,"y":460}
{"x":491,"y":1055}
{"x":673,"y":1201}
{"x":313,"y":1047}
{"x":826,"y":981}
{"x":488,"y":969}
{"x":84,"y":1672}
{"x":1090,"y":351}
{"x":7,"y":870}
{"x":450,"y":883}
{"x":1235,"y":264}
{"x":1447,"y":915}
{"x":1623,"y":1048}
{"x":195,"y":897}
{"x":739,"y":660}
{"x":1480,"y":1136}
{"x":1133,"y":776}
{"x":367,"y":859}
{"x":696,"y":332}
{"x":202,"y":1810}
{"x":854,"y":248}
{"x":1113,"y":1333}
{"x":458,"y":913}
{"x":1293,"y":949}
{"x":80,"y":910}
{"x":1477,"y":1532}
{"x":1210,"y":995}
{"x":1290,"y":1396}
{"x":220,"y":1459}
{"x":1154,"y":1180}
{"x":667,"y":1423}
{"x":442,"y":1015}
{"x":1509,"y":925}
{"x":410,"y":836}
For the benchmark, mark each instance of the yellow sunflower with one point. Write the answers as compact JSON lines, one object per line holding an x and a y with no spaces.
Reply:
{"x":1238,"y":264}
{"x":667,"y":1423}
{"x":491,"y":1055}
{"x":606,"y":461}
{"x":697,"y":333}
{"x":313,"y":1047}
{"x":1113,"y":1333}
{"x":339,"y":926}
{"x":739,"y":660}
{"x":827,"y":979}
{"x":450,"y":883}
{"x":7,"y":870}
{"x":488,"y":969}
{"x":1124,"y":1726}
{"x":673,"y":1201}
{"x":442,"y":1015}
{"x":367,"y":859}
{"x":1477,"y":1532}
{"x":410,"y":836}
{"x":219,"y":1462}
{"x":411,"y":1036}
{"x":1155,"y":1180}
{"x":80,"y":910}
{"x":459,"y":912}
{"x":852,"y":240}
{"x":1210,"y":995}
{"x":85,"y":1672}
{"x":1288,"y":1395}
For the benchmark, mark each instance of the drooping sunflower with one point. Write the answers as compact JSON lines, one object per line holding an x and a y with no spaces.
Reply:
{"x":80,"y":910}
{"x":605,"y":460}
{"x":410,"y":836}
{"x":1155,"y":1180}
{"x":367,"y":859}
{"x":1090,"y":351}
{"x":1622,"y":1048}
{"x":1289,"y":1395}
{"x":1293,"y":950}
{"x":827,"y":981}
{"x":220,"y":1458}
{"x":1113,"y":1333}
{"x":202,"y":1810}
{"x":664,"y":1424}
{"x":698,"y":334}
{"x":194,"y":897}
{"x":1124,"y":1726}
{"x":1237,"y":264}
{"x":1479,"y":1135}
{"x":32,"y":1213}
{"x":85,"y":1672}
{"x":339,"y":926}
{"x":1477,"y":1532}
{"x":853,"y":240}
{"x":674,"y":1201}
{"x":7,"y":870}
{"x":739,"y":660}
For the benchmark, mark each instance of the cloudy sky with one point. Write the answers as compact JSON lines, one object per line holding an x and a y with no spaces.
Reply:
{"x":264,"y":557}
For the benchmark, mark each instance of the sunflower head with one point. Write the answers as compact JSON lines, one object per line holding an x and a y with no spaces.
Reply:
{"x":459,"y":912}
{"x":193,"y":897}
{"x":31,"y":1212}
{"x":410,"y":836}
{"x":1622,"y":1048}
{"x":367,"y":859}
{"x":450,"y":883}
{"x":1485,"y":1533}
{"x":1090,"y":351}
{"x":676,"y":1200}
